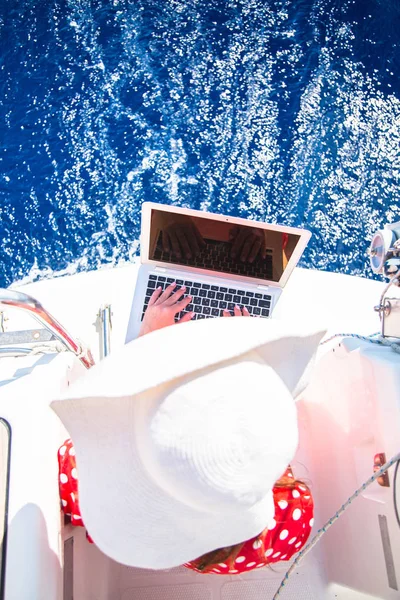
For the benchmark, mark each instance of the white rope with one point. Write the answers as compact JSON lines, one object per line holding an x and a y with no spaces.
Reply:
{"x":375,"y":338}
{"x":329,"y":523}
{"x":49,"y":348}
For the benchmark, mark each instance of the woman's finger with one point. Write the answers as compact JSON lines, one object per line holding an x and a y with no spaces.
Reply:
{"x":166,"y":293}
{"x":176,"y":249}
{"x":233,"y":233}
{"x":176,"y":296}
{"x":192,"y":238}
{"x":182,"y":304}
{"x":255,"y":249}
{"x":238,"y":243}
{"x":247,"y":247}
{"x":246,"y":312}
{"x":155,"y":295}
{"x":264,"y":246}
{"x":199,"y":238}
{"x":236,"y":311}
{"x":181,"y":234}
{"x":166,"y":242}
{"x":226,"y":313}
{"x":186,"y":317}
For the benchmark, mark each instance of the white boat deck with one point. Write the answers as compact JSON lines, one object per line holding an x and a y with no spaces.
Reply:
{"x":350,"y":411}
{"x":341,"y":303}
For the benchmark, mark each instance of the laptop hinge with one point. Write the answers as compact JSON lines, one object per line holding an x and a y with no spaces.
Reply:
{"x":161,"y":269}
{"x":263,"y":287}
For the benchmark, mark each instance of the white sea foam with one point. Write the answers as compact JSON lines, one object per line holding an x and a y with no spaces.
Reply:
{"x":238,"y":114}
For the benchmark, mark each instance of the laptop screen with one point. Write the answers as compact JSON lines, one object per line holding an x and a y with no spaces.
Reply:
{"x":210,"y":244}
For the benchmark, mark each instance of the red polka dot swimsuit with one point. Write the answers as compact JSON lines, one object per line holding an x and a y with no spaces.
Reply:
{"x":285,"y":535}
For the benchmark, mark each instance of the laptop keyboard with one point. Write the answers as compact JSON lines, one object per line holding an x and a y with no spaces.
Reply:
{"x":210,"y":300}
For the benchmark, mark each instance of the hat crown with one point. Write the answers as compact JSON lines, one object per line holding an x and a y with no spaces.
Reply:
{"x":210,"y":442}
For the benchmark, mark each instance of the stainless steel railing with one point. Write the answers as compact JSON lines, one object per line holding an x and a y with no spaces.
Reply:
{"x":26,"y":303}
{"x":104,"y":317}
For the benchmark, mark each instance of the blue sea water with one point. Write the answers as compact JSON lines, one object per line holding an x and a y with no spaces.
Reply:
{"x":280,"y":110}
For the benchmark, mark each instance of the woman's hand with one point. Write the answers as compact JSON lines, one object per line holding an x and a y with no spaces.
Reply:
{"x":163,"y":307}
{"x":236,"y":312}
{"x":182,"y":239}
{"x":247,"y":244}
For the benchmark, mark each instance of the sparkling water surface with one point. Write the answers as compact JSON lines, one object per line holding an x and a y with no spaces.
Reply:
{"x":285,"y":111}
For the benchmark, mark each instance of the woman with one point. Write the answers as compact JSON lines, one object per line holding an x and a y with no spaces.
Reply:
{"x":213,"y":446}
{"x":284,"y":536}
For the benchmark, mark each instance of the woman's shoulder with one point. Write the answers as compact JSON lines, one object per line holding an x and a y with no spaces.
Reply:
{"x":289,"y":497}
{"x":289,"y":529}
{"x":290,"y":494}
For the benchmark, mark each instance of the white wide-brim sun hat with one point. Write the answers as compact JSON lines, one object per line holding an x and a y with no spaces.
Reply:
{"x":181,"y":434}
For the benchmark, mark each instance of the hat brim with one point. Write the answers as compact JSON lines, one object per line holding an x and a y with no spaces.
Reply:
{"x":172,"y":352}
{"x":129,"y":516}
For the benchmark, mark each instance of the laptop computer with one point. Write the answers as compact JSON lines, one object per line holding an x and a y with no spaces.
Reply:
{"x":222,"y":261}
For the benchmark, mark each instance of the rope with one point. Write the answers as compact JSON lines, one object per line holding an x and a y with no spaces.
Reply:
{"x":49,"y":348}
{"x":329,"y":523}
{"x":374,"y":338}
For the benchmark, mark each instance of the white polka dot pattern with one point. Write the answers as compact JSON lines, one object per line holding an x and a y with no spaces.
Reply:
{"x":296,"y":514}
{"x":69,"y":484}
{"x":283,"y":534}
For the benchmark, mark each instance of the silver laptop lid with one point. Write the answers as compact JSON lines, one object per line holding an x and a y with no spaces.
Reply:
{"x":211,"y":244}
